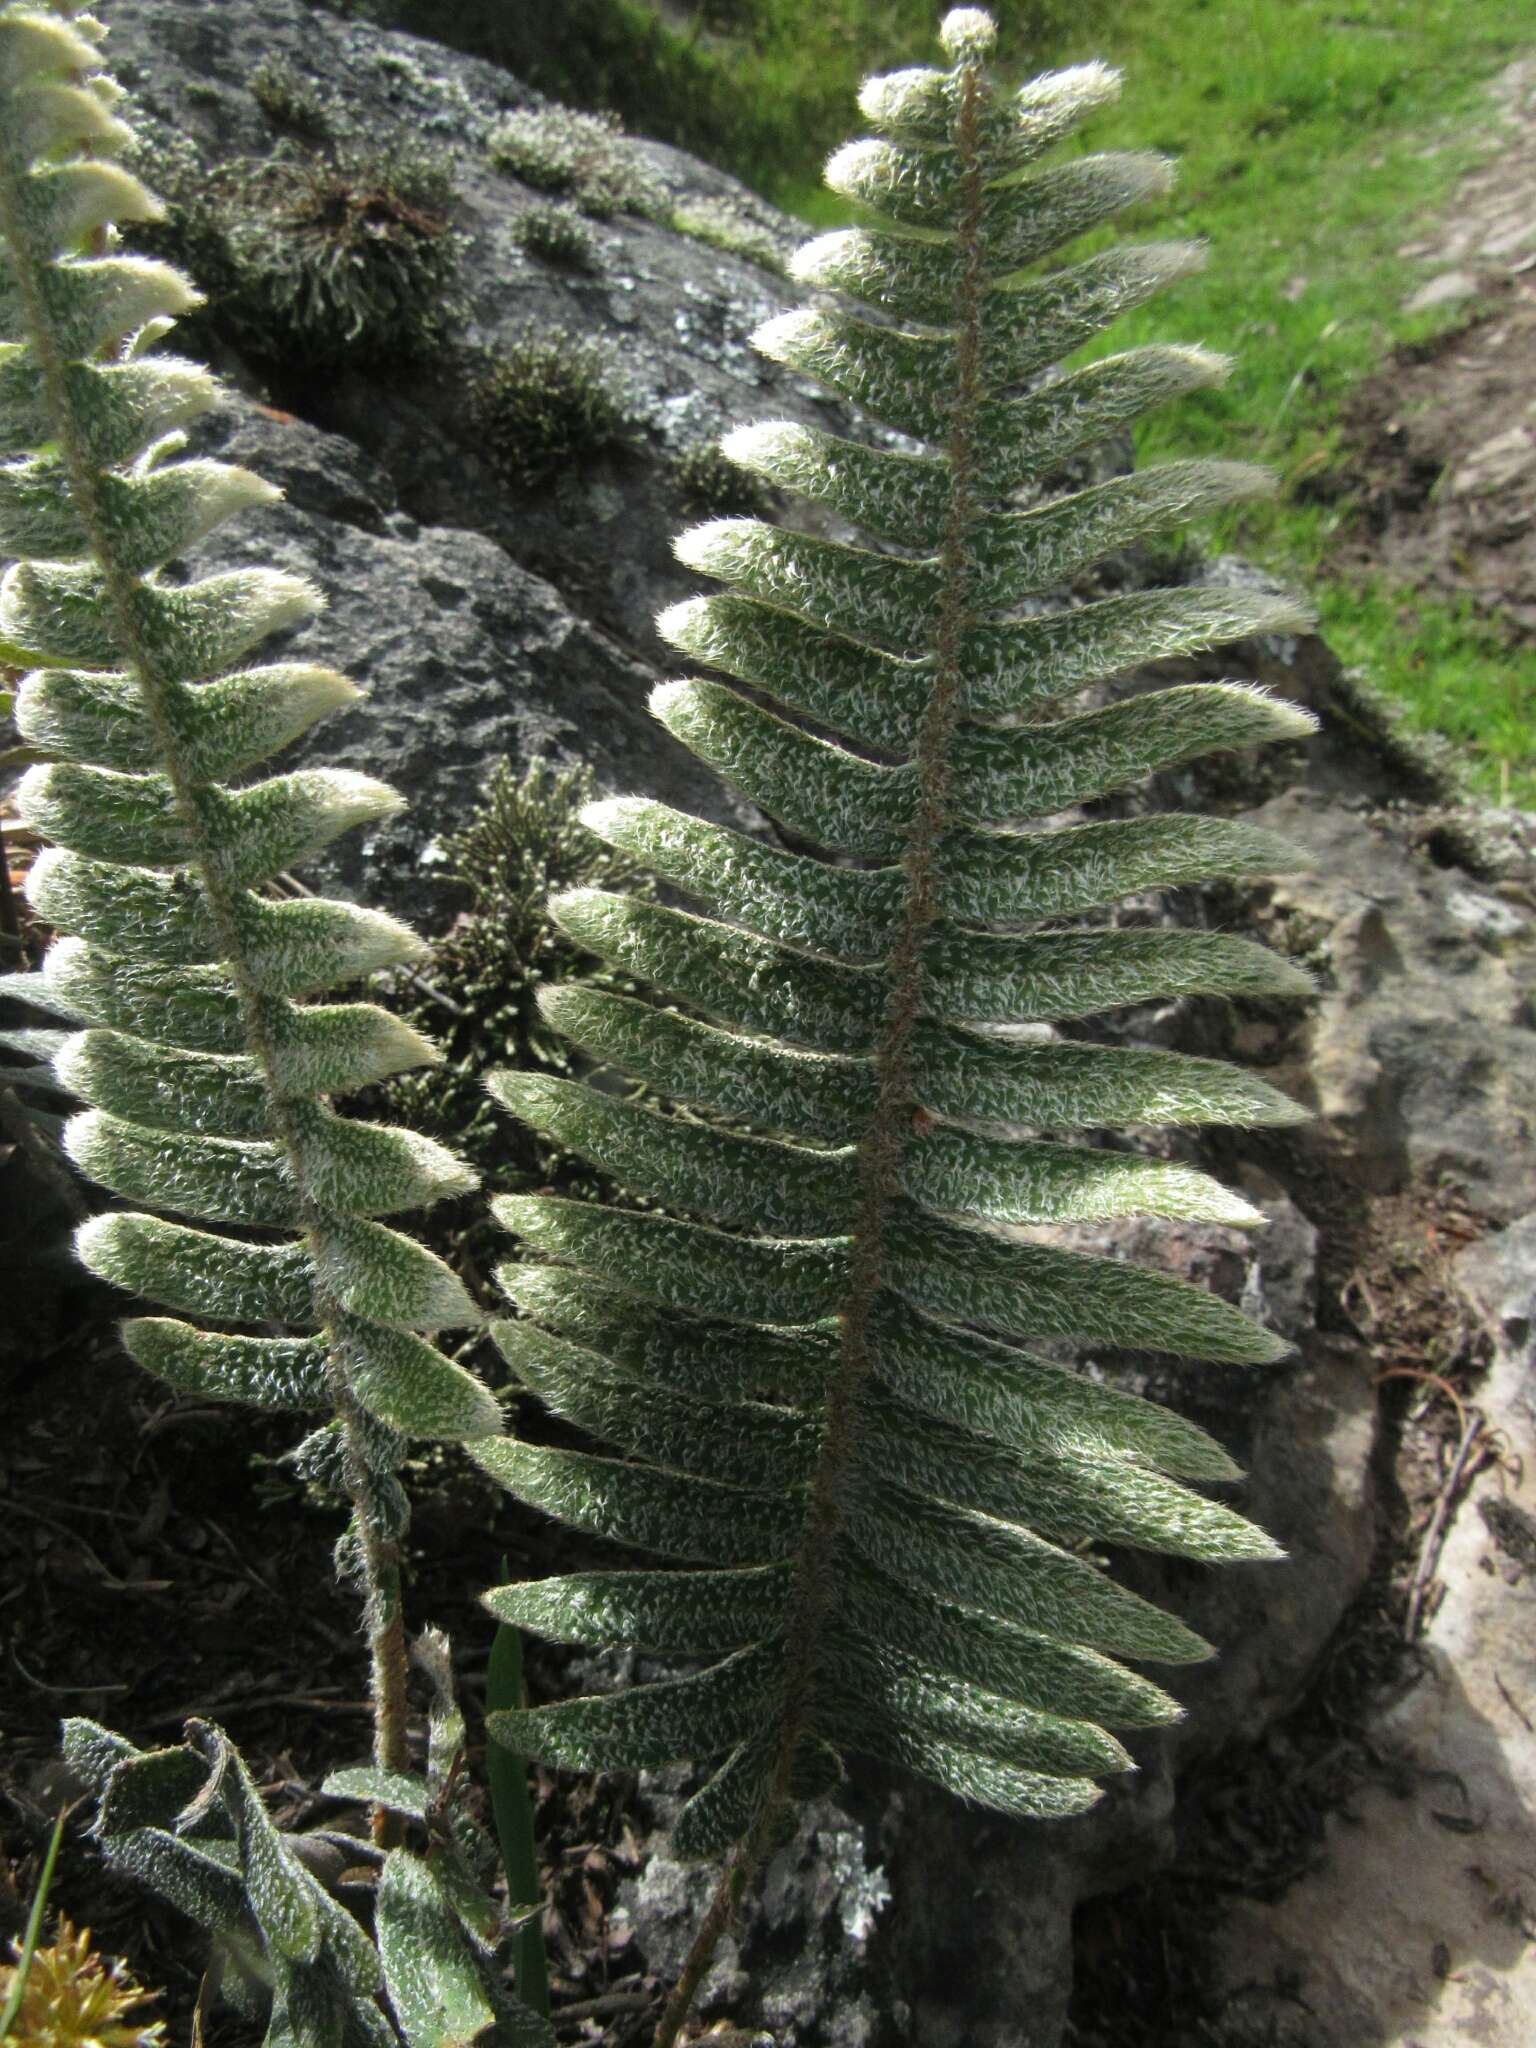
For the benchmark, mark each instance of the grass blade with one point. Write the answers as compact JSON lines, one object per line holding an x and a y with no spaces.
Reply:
{"x":18,"y":1989}
{"x":512,"y":1808}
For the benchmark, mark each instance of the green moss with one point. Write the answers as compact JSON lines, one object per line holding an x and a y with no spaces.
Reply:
{"x":548,"y":401}
{"x":762,"y":87}
{"x":312,"y":259}
{"x":289,"y":102}
{"x":584,"y":157}
{"x":523,"y":842}
{"x":557,"y":234}
{"x":709,"y":484}
{"x":725,"y":225}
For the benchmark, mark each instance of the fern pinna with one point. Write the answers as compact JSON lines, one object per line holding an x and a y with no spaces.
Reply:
{"x":824,"y":1403}
{"x":207,"y":1068}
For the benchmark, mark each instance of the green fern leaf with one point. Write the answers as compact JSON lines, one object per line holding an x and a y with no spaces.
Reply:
{"x":648,"y":1343}
{"x":645,"y":1506}
{"x":190,"y":1824}
{"x":651,"y":1724}
{"x":265,"y":1372}
{"x":811,"y":1363}
{"x":702,"y":1614}
{"x":207,"y":1073}
{"x":435,"y":1988}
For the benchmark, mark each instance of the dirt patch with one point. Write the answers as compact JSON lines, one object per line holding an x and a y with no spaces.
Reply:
{"x":156,"y":1561}
{"x":1440,"y":446}
{"x":1442,"y":463}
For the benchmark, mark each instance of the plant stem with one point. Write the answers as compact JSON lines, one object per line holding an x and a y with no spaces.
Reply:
{"x":379,"y":1551}
{"x":880,"y":1150}
{"x":10,"y":916}
{"x":512,"y":1809}
{"x":383,"y":1605}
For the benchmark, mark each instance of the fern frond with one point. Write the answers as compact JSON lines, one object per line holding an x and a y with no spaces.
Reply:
{"x":208,"y":1080}
{"x":811,"y":1359}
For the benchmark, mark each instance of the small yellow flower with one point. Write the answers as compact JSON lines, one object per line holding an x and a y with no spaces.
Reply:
{"x":74,"y":1999}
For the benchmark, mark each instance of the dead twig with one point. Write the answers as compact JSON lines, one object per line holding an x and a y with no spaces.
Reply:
{"x":1472,"y":1452}
{"x":42,"y":1684}
{"x":608,"y":2006}
{"x":290,"y":885}
{"x":103,"y":1570}
{"x":242,"y":1703}
{"x":1433,"y":1379}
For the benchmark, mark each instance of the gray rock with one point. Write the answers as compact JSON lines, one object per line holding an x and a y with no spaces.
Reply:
{"x":798,"y":1960}
{"x":1448,"y":289}
{"x":1505,"y":458}
{"x":974,"y":1948}
{"x":674,"y":312}
{"x":1304,"y":1432}
{"x":1419,"y":1053}
{"x":481,"y":618}
{"x":465,"y":657}
{"x":1415,"y":1931}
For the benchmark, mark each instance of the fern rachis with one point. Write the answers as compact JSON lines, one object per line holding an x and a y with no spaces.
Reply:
{"x":811,"y":1361}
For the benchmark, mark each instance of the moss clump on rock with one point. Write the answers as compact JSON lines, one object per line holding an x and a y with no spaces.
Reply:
{"x":557,"y":234}
{"x":709,"y":483}
{"x":725,"y":225}
{"x":317,"y":258}
{"x":289,"y":102}
{"x":547,"y":401}
{"x":584,"y":157}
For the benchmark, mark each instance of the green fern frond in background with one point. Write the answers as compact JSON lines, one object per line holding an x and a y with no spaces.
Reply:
{"x":207,"y":1067}
{"x":811,"y":1364}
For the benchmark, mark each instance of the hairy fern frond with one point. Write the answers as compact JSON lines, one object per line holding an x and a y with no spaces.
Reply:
{"x":207,"y":1073}
{"x":190,"y":1824}
{"x":810,"y":1356}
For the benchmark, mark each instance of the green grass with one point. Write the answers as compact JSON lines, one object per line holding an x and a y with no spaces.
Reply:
{"x":1451,"y":671}
{"x":1301,"y":132}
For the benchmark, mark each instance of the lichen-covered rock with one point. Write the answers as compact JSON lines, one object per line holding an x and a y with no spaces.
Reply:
{"x":670,"y":307}
{"x":798,"y":1961}
{"x":485,"y":614}
{"x":1419,"y":1053}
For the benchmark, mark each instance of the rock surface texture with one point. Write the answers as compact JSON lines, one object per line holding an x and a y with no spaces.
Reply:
{"x":1445,"y":1859}
{"x":488,"y":617}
